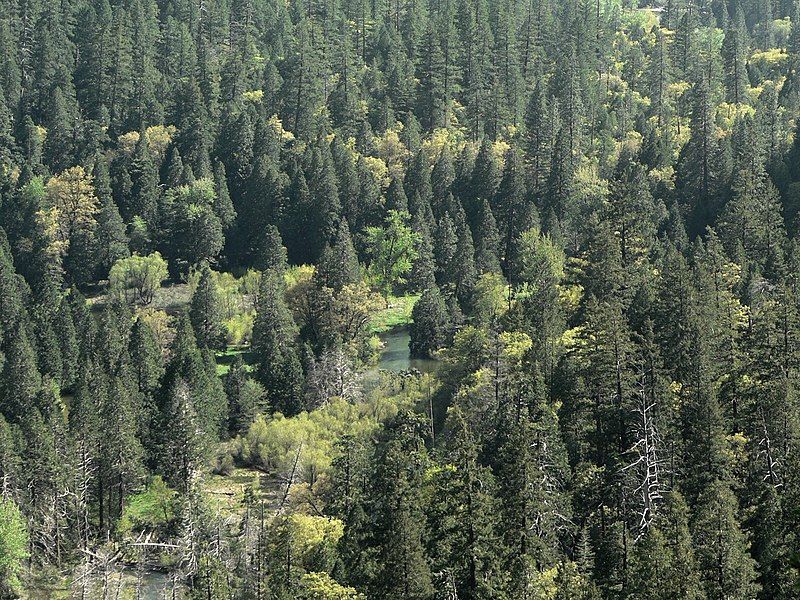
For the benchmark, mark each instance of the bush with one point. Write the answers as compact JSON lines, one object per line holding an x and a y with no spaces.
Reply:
{"x":136,"y":279}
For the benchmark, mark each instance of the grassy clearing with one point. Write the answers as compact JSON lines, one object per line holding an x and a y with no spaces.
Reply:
{"x":397,"y":315}
{"x":226,"y":359}
{"x":226,"y":492}
{"x":171,"y":298}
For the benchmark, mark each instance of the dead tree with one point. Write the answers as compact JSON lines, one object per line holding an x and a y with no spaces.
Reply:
{"x":646,"y":466}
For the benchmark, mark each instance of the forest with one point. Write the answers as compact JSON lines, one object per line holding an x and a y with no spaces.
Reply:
{"x":579,"y":218}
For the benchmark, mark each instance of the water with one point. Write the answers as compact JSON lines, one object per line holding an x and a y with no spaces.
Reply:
{"x":395,"y":355}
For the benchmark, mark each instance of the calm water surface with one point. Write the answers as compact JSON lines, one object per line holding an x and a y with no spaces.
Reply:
{"x":395,"y":355}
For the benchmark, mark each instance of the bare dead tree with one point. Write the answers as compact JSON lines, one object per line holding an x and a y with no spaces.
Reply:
{"x":766,"y":452}
{"x":646,"y":466}
{"x":333,"y":375}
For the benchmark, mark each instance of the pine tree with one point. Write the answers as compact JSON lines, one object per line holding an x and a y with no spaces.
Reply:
{"x":430,"y":323}
{"x":205,"y":312}
{"x":275,"y":349}
{"x":483,"y":185}
{"x":144,"y":177}
{"x":325,"y":207}
{"x":514,"y":213}
{"x":146,"y":358}
{"x":726,"y":568}
{"x":463,"y":542}
{"x":198,"y":370}
{"x":465,"y":274}
{"x":422,"y":276}
{"x":396,"y":198}
{"x":20,"y":381}
{"x":399,"y":531}
{"x":271,"y":256}
{"x":734,"y":53}
{"x":660,"y":77}
{"x":112,"y":241}
{"x":338,"y":266}
{"x":247,"y":399}
{"x":537,"y":139}
{"x":182,"y":445}
{"x":487,"y":251}
{"x":445,"y":249}
{"x":531,"y":470}
{"x":697,"y":171}
{"x":223,"y":205}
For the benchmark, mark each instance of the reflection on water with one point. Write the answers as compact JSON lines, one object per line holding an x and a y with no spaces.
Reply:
{"x":395,"y":355}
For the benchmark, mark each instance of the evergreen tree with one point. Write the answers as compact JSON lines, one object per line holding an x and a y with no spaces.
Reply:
{"x":726,"y":568}
{"x":404,"y":571}
{"x":430,"y":323}
{"x":205,"y":312}
{"x":487,"y":255}
{"x":246,"y":398}
{"x":338,"y":266}
{"x":275,"y":349}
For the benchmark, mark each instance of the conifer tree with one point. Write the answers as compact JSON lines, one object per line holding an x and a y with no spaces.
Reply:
{"x":271,"y":256}
{"x":338,"y":266}
{"x":112,"y":240}
{"x":422,"y":276}
{"x":144,"y":192}
{"x":514,"y":214}
{"x":404,"y":570}
{"x":205,"y":312}
{"x":430,"y":325}
{"x":275,"y":349}
{"x":487,"y":251}
{"x":182,"y":446}
{"x":734,"y":54}
{"x":246,"y":398}
{"x":726,"y":568}
{"x":463,"y":540}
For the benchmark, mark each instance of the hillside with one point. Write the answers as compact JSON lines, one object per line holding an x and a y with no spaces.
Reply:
{"x":399,"y":299}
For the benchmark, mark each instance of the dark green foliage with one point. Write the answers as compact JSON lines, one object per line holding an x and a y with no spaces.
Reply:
{"x":338,"y":266}
{"x":431,"y":324}
{"x":205,"y":312}
{"x":596,"y":204}
{"x":403,"y":567}
{"x":275,"y":349}
{"x":246,"y":398}
{"x":726,"y":568}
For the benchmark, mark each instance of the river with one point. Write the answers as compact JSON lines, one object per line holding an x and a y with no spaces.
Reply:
{"x":395,"y":355}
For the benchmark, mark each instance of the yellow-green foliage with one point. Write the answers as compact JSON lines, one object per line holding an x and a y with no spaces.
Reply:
{"x":254,"y":96}
{"x":273,"y":444}
{"x":298,"y":275}
{"x":159,"y":137}
{"x":236,"y":297}
{"x":439,"y":138}
{"x":392,"y":151}
{"x":136,"y":279}
{"x":321,"y":586}
{"x":490,"y":299}
{"x":542,"y":585}
{"x":771,"y":57}
{"x":160,"y":322}
{"x":239,"y":328}
{"x":728,"y":113}
{"x":313,"y":536}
